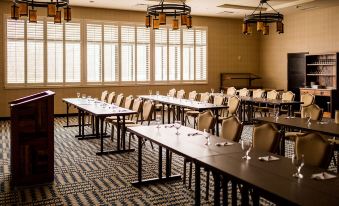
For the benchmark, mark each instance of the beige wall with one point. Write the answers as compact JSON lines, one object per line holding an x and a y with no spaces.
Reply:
{"x":225,"y":45}
{"x":314,"y":31}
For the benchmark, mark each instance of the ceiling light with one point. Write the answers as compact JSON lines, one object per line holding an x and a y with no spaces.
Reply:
{"x":21,"y":8}
{"x":262,"y":20}
{"x":161,"y":11}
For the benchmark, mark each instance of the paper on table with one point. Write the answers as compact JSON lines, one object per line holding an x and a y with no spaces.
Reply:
{"x":224,"y":143}
{"x":268,"y":158}
{"x":323,"y":176}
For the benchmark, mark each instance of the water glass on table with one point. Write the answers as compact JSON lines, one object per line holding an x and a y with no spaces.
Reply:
{"x":177,"y":125}
{"x":298,"y":162}
{"x":158,"y":120}
{"x":207,"y":136}
{"x":246,"y":147}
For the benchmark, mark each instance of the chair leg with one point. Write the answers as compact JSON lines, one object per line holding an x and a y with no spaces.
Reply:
{"x":112,"y":132}
{"x":207,"y":184}
{"x":194,"y":122}
{"x":129,"y":140}
{"x":234,"y":193}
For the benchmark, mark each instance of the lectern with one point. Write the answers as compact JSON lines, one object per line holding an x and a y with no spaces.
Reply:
{"x":32,"y":139}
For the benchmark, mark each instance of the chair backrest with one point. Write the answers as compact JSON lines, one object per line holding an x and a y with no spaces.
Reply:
{"x":258,"y":93}
{"x":205,"y":121}
{"x":205,"y":97}
{"x":119,"y":100}
{"x":231,"y":129}
{"x":192,"y":95}
{"x":288,"y":96}
{"x":181,"y":94}
{"x":218,"y":100}
{"x":266,"y":138}
{"x":244,"y":92}
{"x":111,"y":98}
{"x":316,"y":149}
{"x":231,"y":91}
{"x":147,"y":111}
{"x":172,"y":92}
{"x":137,"y":106}
{"x":233,"y":105}
{"x":128,"y":102}
{"x":104,"y":96}
{"x":307,"y":99}
{"x":314,"y":110}
{"x":272,"y":94}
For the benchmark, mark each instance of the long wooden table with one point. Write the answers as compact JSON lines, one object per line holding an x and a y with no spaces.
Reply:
{"x":272,"y":180}
{"x":185,"y":103}
{"x":100,"y":111}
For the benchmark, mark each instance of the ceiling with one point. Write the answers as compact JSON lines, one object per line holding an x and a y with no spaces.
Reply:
{"x":214,"y":8}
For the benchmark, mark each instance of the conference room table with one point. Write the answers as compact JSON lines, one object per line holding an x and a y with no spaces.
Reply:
{"x":272,"y":180}
{"x":100,"y":110}
{"x":185,"y":103}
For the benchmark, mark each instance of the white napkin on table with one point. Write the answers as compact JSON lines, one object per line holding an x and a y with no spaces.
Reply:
{"x":323,"y":176}
{"x":268,"y":158}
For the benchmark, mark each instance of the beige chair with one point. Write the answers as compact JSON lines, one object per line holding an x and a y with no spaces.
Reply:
{"x":266,"y":138}
{"x":104,"y":96}
{"x":233,"y":106}
{"x":147,"y":110}
{"x":192,"y":95}
{"x":258,"y":93}
{"x":111,"y":98}
{"x":218,"y":100}
{"x":181,"y":94}
{"x":231,"y":129}
{"x":271,"y":95}
{"x":158,"y":107}
{"x":316,"y":114}
{"x":316,"y":149}
{"x":306,"y":99}
{"x":119,"y":101}
{"x":231,"y":91}
{"x":244,"y":92}
{"x":286,"y":96}
{"x":204,"y":97}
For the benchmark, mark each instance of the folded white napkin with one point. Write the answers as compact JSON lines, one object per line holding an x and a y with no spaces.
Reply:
{"x":224,"y":143}
{"x":268,"y":158}
{"x":323,"y":176}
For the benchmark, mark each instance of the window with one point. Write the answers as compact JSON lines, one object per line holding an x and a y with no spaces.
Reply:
{"x":15,"y":52}
{"x":72,"y":53}
{"x":55,"y":54}
{"x":84,"y":52}
{"x":94,"y":52}
{"x":111,"y":52}
{"x":160,"y":56}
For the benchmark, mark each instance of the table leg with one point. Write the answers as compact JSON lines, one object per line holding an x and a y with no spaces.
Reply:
{"x":83,"y":124}
{"x":160,"y":162}
{"x":197,"y":184}
{"x":79,"y":122}
{"x":216,"y":178}
{"x":67,"y":113}
{"x":182,"y":110}
{"x":163,"y":113}
{"x":123,"y":132}
{"x":216,"y":113}
{"x":118,"y":132}
{"x":168,"y":114}
{"x":101,"y":136}
{"x":225,"y":191}
{"x":168,"y":163}
{"x":139,"y":159}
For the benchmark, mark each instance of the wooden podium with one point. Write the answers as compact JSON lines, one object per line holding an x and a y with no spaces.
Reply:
{"x":32,"y":139}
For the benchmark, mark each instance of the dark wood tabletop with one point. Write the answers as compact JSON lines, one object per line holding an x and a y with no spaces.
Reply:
{"x":326,"y":126}
{"x":274,"y":181}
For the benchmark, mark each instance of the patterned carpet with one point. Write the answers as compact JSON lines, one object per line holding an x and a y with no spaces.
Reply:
{"x":83,"y":178}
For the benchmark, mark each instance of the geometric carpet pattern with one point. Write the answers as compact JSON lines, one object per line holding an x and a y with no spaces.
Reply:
{"x":83,"y":178}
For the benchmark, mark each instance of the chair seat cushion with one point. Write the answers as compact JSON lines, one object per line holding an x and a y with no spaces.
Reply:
{"x":292,"y":135}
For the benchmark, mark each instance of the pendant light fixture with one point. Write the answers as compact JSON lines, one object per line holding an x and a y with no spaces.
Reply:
{"x":161,"y":11}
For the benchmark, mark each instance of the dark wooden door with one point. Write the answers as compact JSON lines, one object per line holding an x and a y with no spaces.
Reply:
{"x":296,"y":72}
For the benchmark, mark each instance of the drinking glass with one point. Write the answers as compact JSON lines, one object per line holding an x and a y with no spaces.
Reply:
{"x":177,"y":125}
{"x":89,"y":99}
{"x":83,"y":96}
{"x":212,"y":90}
{"x":207,"y":135}
{"x":150,"y":92}
{"x":78,"y":94}
{"x":157,"y":93}
{"x":96,"y":101}
{"x":298,"y":162}
{"x":276,"y":114}
{"x":222,"y":92}
{"x":246,"y":147}
{"x":158,"y":120}
{"x":308,"y":118}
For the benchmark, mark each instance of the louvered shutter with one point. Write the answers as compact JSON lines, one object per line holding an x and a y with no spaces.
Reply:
{"x":201,"y":54}
{"x":143,"y":53}
{"x":15,"y":51}
{"x":94,"y":52}
{"x":35,"y":52}
{"x":54,"y":53}
{"x":188,"y":54}
{"x":127,"y":53}
{"x":160,"y":54}
{"x":174,"y":55}
{"x":111,"y":53}
{"x":72,"y":52}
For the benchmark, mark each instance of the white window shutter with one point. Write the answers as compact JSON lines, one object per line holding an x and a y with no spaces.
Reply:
{"x":143,"y":54}
{"x":54,"y":53}
{"x":201,"y":55}
{"x":188,"y":54}
{"x":35,"y":52}
{"x":72,"y":53}
{"x":111,"y":53}
{"x":94,"y":52}
{"x":127,"y":53}
{"x":160,"y":54}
